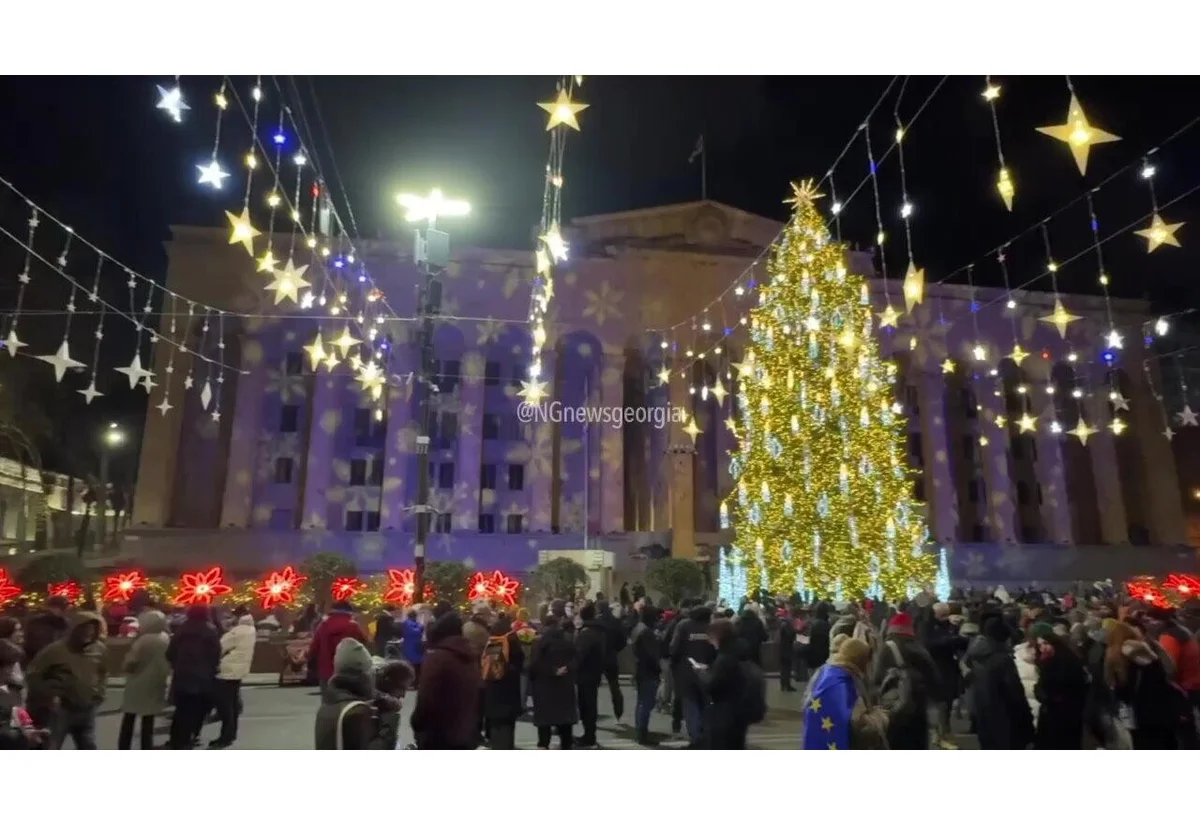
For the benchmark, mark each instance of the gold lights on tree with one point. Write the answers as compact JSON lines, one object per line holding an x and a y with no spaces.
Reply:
{"x":1077,"y":133}
{"x":822,"y":489}
{"x":1159,"y":232}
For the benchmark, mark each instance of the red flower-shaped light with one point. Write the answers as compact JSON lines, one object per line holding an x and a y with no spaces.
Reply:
{"x":1183,"y":584}
{"x":346,"y":587}
{"x":8,"y":588}
{"x":496,"y":586}
{"x":1146,"y":592}
{"x":280,"y":587}
{"x":69,"y":590}
{"x":120,"y":586}
{"x":402,"y":585}
{"x":202,"y":588}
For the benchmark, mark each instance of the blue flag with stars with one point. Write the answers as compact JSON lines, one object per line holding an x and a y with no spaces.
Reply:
{"x":827,"y":714}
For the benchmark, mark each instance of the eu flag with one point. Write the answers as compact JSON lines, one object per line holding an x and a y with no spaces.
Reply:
{"x":827,"y":714}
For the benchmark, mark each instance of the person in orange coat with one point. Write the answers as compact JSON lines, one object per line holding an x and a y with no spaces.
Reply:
{"x":338,"y":625}
{"x":1183,"y":648}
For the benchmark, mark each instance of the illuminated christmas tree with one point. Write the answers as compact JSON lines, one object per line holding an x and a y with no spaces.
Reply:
{"x":821,"y":501}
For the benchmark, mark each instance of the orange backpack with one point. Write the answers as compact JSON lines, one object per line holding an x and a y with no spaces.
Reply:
{"x":495,"y":658}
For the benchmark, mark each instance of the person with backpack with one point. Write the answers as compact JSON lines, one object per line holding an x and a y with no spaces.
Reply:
{"x":906,"y":680}
{"x":353,"y":716}
{"x":501,"y":665}
{"x":590,"y":660}
{"x":837,"y":713}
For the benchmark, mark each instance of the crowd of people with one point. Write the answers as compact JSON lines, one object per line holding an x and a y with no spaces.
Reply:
{"x":1084,"y":670}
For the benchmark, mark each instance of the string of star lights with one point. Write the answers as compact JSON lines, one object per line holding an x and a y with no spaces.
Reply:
{"x":61,"y":359}
{"x":889,"y":316}
{"x":1159,"y":232}
{"x":1077,"y":132}
{"x":552,"y":248}
{"x":13,"y":342}
{"x":1168,"y":432}
{"x":1060,"y":319}
{"x":90,"y":393}
{"x":1004,"y":182}
{"x":212,"y":174}
{"x":914,"y":276}
{"x":1186,"y":417}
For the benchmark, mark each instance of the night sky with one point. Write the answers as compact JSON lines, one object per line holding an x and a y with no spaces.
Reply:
{"x":98,"y":155}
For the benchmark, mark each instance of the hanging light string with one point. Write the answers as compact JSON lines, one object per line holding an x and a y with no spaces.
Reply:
{"x":914,"y":276}
{"x":213,"y":174}
{"x":75,"y":285}
{"x":1168,"y":432}
{"x":165,"y":404}
{"x":836,"y":208}
{"x":1113,"y":338}
{"x":216,"y":413}
{"x":251,"y":157}
{"x":1004,"y":183}
{"x":274,"y":198}
{"x":12,"y":342}
{"x":889,"y":314}
{"x":90,"y":392}
{"x":744,"y":281}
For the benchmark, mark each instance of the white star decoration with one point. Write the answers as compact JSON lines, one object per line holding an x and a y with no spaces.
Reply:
{"x":134,"y":372}
{"x":164,"y":405}
{"x":1119,"y":401}
{"x":90,"y":393}
{"x":13,"y":344}
{"x":61,"y":360}
{"x":171,"y":101}
{"x":1168,"y":433}
{"x":212,"y":174}
{"x":1186,"y":417}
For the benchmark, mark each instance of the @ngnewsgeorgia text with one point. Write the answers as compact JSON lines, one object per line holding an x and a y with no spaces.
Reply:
{"x":556,"y":412}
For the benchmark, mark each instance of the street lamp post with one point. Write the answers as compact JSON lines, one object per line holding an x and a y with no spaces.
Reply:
{"x":111,"y":438}
{"x":432,"y":251}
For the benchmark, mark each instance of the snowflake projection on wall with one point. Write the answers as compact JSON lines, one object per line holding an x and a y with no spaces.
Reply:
{"x":603,"y":304}
{"x":274,"y":446}
{"x":930,"y":331}
{"x":976,"y":567}
{"x":489,"y":332}
{"x":287,"y":388}
{"x":1014,"y":560}
{"x":570,"y":514}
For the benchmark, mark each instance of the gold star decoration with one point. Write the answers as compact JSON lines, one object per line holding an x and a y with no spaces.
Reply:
{"x":914,"y":286}
{"x":267,"y":262}
{"x":331,"y":361}
{"x":371,"y":379}
{"x":1077,"y":133}
{"x":833,"y":746}
{"x":555,"y":245}
{"x":815,"y":705}
{"x":1060,"y":318}
{"x":1001,"y":420}
{"x":947,"y":366}
{"x":1018,"y":355}
{"x":664,"y":376}
{"x":1027,"y":423}
{"x":1082,"y":431}
{"x":532,"y":392}
{"x":745,"y":369}
{"x":692,"y":430}
{"x":345,"y":341}
{"x":1117,"y":426}
{"x":288,"y":282}
{"x":803,"y":192}
{"x":316,"y":351}
{"x":541,"y":261}
{"x":1006,"y":189}
{"x":719,"y":392}
{"x":562,"y":110}
{"x":1159,"y":232}
{"x":888,"y":317}
{"x":241,"y":231}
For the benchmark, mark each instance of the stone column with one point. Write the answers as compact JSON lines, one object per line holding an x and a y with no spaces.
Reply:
{"x":160,"y":439}
{"x":1000,"y":498}
{"x":1114,"y":527}
{"x":1055,"y":509}
{"x":245,"y":431}
{"x":681,"y":459}
{"x":612,"y":444}
{"x":324,"y":418}
{"x":940,"y":492}
{"x":470,"y":442}
{"x":659,"y":466}
{"x":540,"y":470}
{"x":1161,"y":493}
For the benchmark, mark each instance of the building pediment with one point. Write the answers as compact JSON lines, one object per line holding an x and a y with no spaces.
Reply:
{"x":702,"y":226}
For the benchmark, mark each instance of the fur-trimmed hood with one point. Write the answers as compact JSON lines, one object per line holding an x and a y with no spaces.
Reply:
{"x":1139,"y":653}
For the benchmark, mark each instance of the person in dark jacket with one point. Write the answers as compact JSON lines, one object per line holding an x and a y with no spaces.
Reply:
{"x":552,"y":681}
{"x":502,"y":696}
{"x":818,"y":637}
{"x":787,"y":645}
{"x":908,"y":712}
{"x":354,"y":716}
{"x":647,"y":663}
{"x":753,"y":633}
{"x":1061,"y":691}
{"x":46,"y":627}
{"x":446,"y":716}
{"x":724,"y":687}
{"x":691,"y":644}
{"x":1138,"y":678}
{"x":672,"y":619}
{"x":615,"y":638}
{"x":66,"y":683}
{"x":194,"y":653}
{"x":945,"y":647}
{"x":386,"y":631}
{"x":591,"y":659}
{"x":17,"y":731}
{"x":338,"y":625}
{"x":999,"y":711}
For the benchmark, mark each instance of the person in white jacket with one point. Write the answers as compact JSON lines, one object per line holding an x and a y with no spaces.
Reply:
{"x":237,"y":653}
{"x":1025,"y":655}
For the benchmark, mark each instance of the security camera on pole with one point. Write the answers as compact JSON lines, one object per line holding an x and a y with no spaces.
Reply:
{"x":431,"y":249}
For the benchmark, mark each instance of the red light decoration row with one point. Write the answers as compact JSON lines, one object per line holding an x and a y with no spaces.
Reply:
{"x":280,"y":587}
{"x":9,"y":589}
{"x":1175,"y":589}
{"x":346,"y":588}
{"x":121,"y":586}
{"x":497,"y":586}
{"x":402,"y":585}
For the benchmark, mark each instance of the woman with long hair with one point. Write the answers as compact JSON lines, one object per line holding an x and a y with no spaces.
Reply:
{"x":1151,"y":706}
{"x":1061,"y":691}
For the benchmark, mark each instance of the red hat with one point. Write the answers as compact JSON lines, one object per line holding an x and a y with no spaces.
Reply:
{"x":901,"y":623}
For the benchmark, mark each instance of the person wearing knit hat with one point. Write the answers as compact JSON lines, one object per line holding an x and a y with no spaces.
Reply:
{"x":900,"y":624}
{"x":905,"y":675}
{"x":836,"y":714}
{"x":353,"y":716}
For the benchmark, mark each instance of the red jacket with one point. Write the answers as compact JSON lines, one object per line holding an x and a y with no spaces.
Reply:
{"x":1184,"y":651}
{"x":336,"y":627}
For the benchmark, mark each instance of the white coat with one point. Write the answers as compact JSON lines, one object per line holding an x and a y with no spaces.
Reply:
{"x":237,"y":649}
{"x":1025,"y":655}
